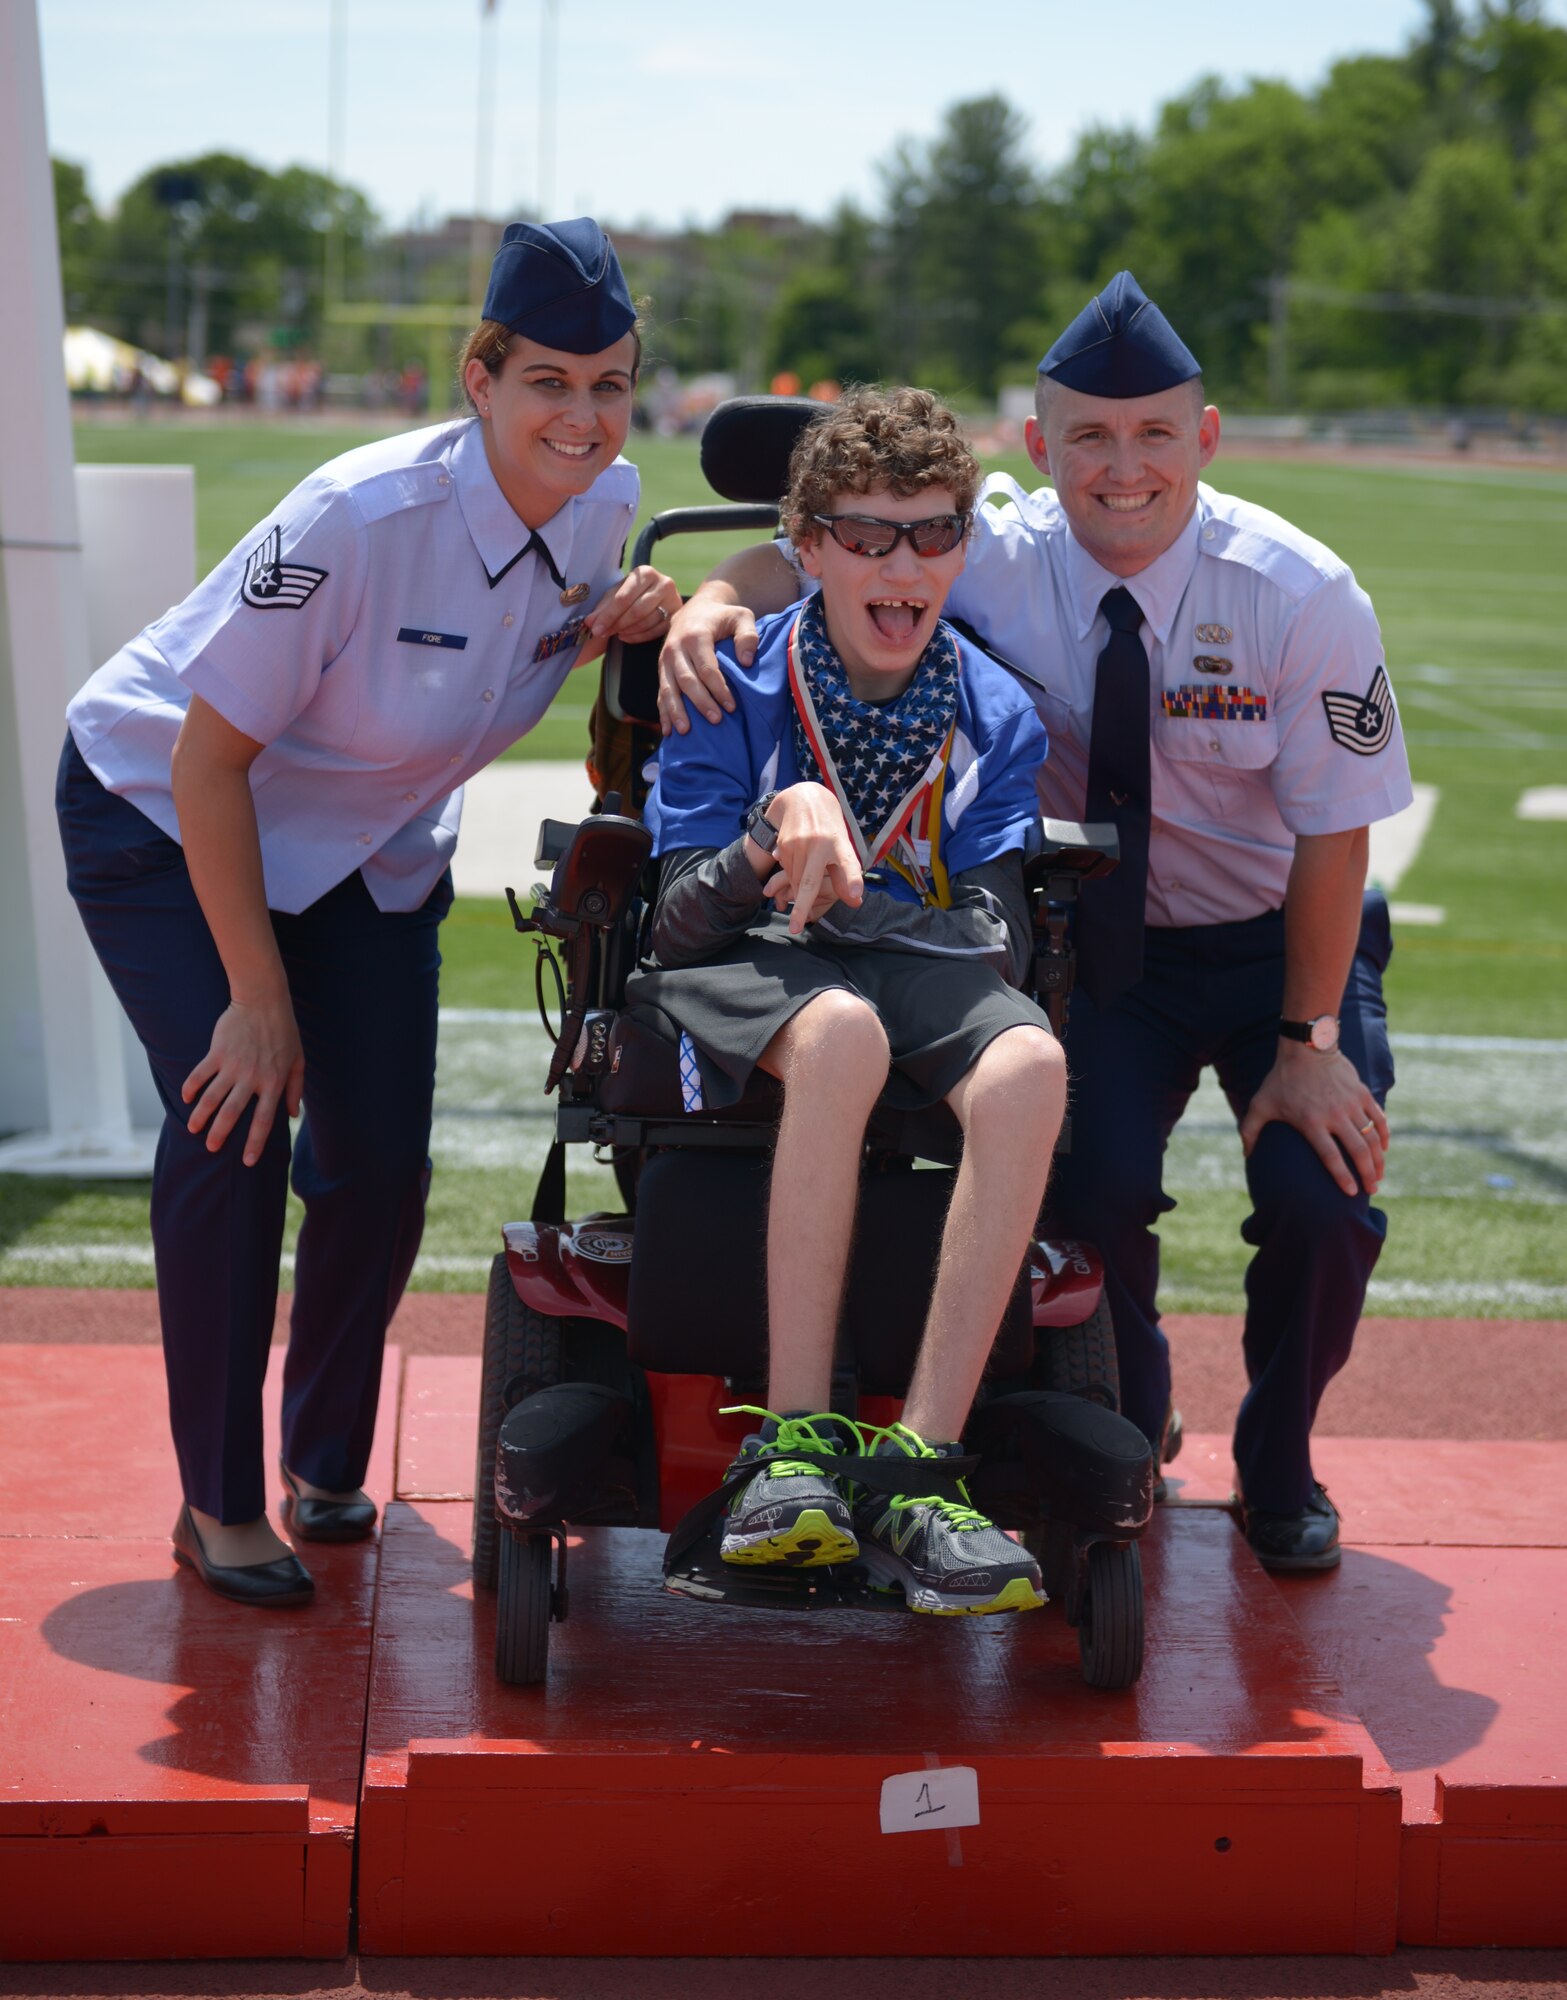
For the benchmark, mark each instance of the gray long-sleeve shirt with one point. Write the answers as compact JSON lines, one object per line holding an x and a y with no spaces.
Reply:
{"x":709,"y":897}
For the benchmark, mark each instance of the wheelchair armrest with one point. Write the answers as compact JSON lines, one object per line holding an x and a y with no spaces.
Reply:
{"x":1057,"y":847}
{"x":597,"y":868}
{"x":555,"y":836}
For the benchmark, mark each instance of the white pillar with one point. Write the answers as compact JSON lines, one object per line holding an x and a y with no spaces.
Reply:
{"x":44,"y":656}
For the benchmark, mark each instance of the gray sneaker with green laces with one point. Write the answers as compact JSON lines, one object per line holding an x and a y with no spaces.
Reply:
{"x":790,"y":1512}
{"x":943,"y":1554}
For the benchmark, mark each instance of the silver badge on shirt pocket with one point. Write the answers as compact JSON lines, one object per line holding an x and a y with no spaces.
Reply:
{"x":1211,"y":663}
{"x":1214,"y":635}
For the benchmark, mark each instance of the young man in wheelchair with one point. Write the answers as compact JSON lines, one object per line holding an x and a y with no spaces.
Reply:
{"x":841,"y":903}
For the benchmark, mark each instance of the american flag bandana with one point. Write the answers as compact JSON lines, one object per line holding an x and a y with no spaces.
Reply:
{"x":882,"y":761}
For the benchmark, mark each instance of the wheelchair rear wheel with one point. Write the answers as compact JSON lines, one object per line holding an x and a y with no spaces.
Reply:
{"x":1110,"y":1626}
{"x":1081,"y":1359}
{"x":521,"y":1354}
{"x":522,"y":1608}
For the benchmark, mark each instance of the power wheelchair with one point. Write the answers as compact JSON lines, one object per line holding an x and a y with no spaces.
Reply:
{"x":612,"y":1343}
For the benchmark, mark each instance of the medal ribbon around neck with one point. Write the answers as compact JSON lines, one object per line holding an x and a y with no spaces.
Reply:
{"x":893,"y":842}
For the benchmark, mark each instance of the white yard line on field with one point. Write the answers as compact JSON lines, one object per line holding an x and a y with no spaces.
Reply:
{"x":503,"y":806}
{"x":501,"y":811}
{"x":1395,"y":842}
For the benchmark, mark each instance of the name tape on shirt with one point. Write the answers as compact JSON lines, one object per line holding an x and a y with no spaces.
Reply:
{"x":1362,"y":723}
{"x":410,"y":635}
{"x":272,"y":584}
{"x":558,"y":640}
{"x":1215,"y":704}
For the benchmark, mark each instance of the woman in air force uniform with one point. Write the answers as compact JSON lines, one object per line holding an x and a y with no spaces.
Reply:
{"x":258,"y":799}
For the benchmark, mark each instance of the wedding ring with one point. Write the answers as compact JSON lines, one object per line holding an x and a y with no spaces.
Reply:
{"x":1369,"y":1126}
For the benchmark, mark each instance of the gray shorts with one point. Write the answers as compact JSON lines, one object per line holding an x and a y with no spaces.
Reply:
{"x":939,"y":1014}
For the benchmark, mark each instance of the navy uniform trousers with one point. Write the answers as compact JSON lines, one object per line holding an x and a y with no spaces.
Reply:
{"x":364,"y":987}
{"x":1212,"y":994}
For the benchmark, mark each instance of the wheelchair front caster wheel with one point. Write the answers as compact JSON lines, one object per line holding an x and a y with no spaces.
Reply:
{"x":522,"y":1609}
{"x":1110,"y":1628}
{"x":522,"y":1352}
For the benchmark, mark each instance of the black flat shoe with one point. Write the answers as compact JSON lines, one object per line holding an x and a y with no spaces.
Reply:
{"x":285,"y":1581}
{"x":324,"y":1520}
{"x":1305,"y":1540}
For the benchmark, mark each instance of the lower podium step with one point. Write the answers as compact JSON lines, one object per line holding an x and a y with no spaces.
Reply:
{"x":178,"y":1775}
{"x":1446,"y":1627}
{"x":700,"y":1780}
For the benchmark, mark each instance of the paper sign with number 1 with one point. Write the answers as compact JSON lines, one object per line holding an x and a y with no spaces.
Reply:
{"x":914,"y":1801}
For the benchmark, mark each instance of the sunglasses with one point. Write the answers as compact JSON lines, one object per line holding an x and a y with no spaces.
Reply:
{"x":864,"y":535}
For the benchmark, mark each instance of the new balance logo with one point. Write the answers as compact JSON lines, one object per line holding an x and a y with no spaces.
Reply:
{"x":899,"y":1526}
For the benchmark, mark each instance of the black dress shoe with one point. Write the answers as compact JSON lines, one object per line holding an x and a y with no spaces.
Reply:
{"x":1301,"y":1541}
{"x":324,"y":1520}
{"x":1169,"y":1447}
{"x":285,"y":1581}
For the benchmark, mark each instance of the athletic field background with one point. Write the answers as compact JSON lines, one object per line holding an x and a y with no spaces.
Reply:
{"x":1465,"y":566}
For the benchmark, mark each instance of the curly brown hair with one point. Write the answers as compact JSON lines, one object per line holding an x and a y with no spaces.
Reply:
{"x":876,"y":440}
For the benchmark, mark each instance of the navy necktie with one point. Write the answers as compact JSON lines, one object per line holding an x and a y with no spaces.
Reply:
{"x":1110,"y":914}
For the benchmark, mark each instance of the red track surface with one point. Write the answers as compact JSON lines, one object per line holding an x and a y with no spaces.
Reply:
{"x":1409,"y":1379}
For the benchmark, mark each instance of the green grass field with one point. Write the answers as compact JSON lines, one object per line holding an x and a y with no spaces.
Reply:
{"x":1465,"y":567}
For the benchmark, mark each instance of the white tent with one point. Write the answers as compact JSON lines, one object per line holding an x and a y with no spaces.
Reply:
{"x":98,"y":363}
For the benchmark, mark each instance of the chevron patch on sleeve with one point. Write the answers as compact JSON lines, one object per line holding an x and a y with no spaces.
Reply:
{"x":271,"y":583}
{"x":1362,"y":723}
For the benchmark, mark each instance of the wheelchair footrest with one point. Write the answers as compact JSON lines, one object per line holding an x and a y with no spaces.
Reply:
{"x":701,"y":1573}
{"x":1046,"y":1456}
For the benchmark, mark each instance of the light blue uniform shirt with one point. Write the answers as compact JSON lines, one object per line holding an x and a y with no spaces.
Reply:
{"x":385,"y":632}
{"x":1240,"y":603}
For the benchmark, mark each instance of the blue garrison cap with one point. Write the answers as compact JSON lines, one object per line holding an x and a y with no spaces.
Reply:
{"x":561,"y":284}
{"x":1120,"y":345}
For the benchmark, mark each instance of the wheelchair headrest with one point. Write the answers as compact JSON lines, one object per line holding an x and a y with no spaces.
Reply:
{"x":747,"y":441}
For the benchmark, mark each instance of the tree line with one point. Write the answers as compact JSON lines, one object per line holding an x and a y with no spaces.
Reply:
{"x":1395,"y":236}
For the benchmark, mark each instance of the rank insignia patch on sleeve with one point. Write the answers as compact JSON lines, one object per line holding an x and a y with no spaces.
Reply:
{"x":1363,"y":724}
{"x":270,"y":582}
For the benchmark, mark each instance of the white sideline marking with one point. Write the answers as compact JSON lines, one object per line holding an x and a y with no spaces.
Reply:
{"x":1479,"y":1045}
{"x":140,"y":1257}
{"x":1395,"y":842}
{"x":1465,"y":1291}
{"x":502,"y":1017}
{"x":1443,"y":1295}
{"x":501,"y":810}
{"x":1543,"y":802}
{"x":1417,"y":913}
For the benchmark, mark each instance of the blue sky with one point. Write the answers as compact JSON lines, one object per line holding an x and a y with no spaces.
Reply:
{"x":666,"y":112}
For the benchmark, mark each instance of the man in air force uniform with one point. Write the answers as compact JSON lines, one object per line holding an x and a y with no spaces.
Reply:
{"x":1213,"y":682}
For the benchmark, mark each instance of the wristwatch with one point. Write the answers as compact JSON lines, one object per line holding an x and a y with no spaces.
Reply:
{"x":759,"y":826}
{"x":1320,"y":1034}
